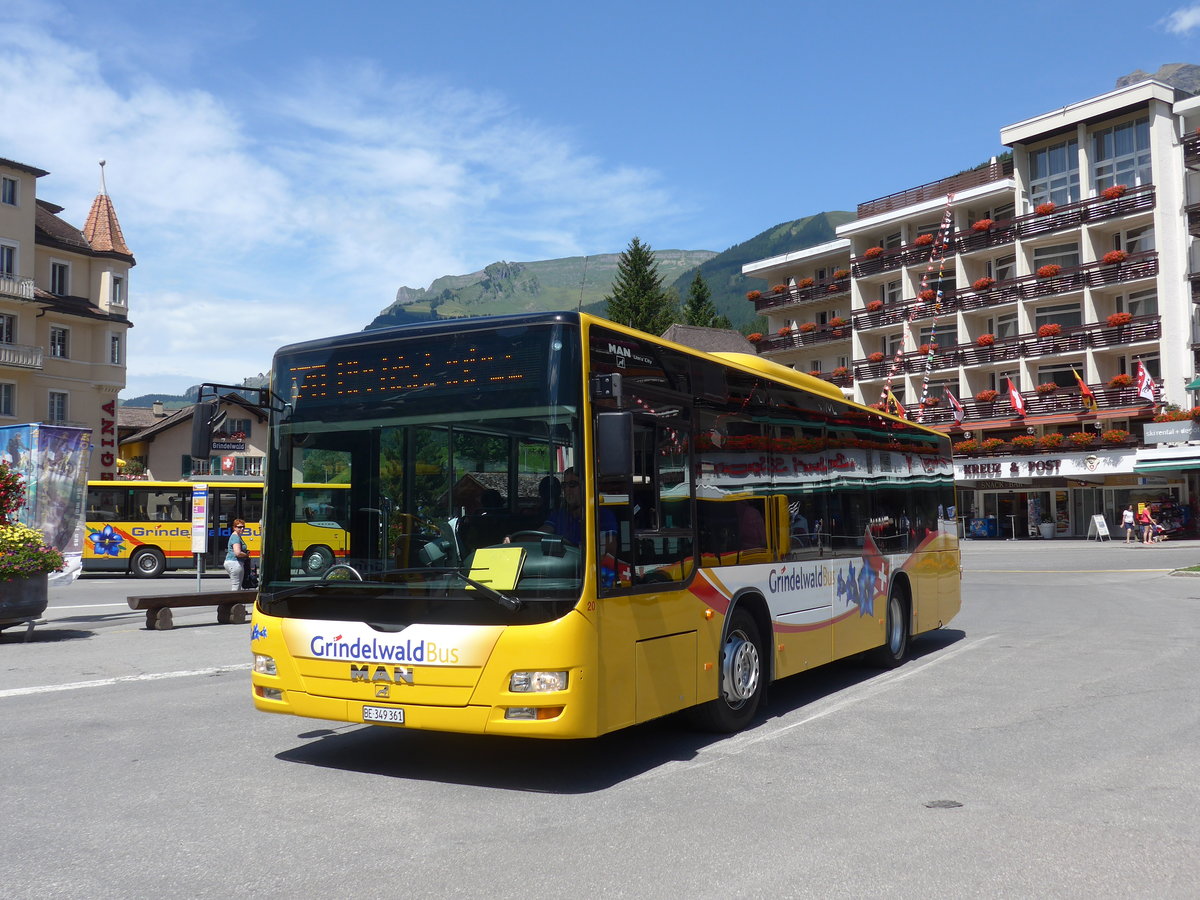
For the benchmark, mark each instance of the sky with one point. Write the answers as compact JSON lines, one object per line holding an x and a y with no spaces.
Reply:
{"x":279,"y":168}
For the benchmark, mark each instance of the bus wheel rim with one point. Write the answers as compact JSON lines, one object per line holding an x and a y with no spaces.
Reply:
{"x":741,"y":670}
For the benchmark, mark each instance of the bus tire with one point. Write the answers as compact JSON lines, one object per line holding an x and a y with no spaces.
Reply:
{"x":316,"y":560}
{"x":741,"y":678}
{"x":894,"y":651}
{"x":148,"y":563}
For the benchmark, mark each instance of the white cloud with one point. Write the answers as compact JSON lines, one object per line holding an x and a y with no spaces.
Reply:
{"x":292,"y":212}
{"x":1184,"y":20}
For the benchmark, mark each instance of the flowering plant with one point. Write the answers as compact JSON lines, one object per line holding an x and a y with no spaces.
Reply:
{"x":837,"y":322}
{"x":923,"y":240}
{"x":24,"y":552}
{"x":1121,"y":318}
{"x":875,"y":306}
{"x":834,"y":288}
{"x":985,"y":340}
{"x":982,"y":284}
{"x":1052,"y":440}
{"x":1023,"y":443}
{"x":1047,"y":387}
{"x":925,"y":348}
{"x":805,"y":283}
{"x":987,"y":396}
{"x":1115,"y":436}
{"x":754,"y":337}
{"x":930,"y":402}
{"x":753,"y":295}
{"x":1081,"y":438}
{"x":1178,"y":415}
{"x":1112,"y":193}
{"x":1120,"y":381}
{"x":873,"y":252}
{"x":815,"y":373}
{"x":969,"y":446}
{"x":1049,"y":271}
{"x":842,"y":273}
{"x":983,"y":225}
{"x":808,"y":327}
{"x":839,"y":371}
{"x":1113,"y":257}
{"x":927,"y":295}
{"x":1050,"y":329}
{"x":784,"y":331}
{"x":875,"y":357}
{"x":779,"y":288}
{"x":1044,"y":209}
{"x":990,"y":444}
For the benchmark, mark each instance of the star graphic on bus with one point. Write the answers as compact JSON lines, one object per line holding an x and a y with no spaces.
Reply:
{"x":106,"y":541}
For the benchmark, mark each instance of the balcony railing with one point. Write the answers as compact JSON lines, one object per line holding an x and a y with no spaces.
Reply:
{"x":1094,"y":209}
{"x":13,"y":286}
{"x":20,"y":356}
{"x":1193,"y":217}
{"x":1191,"y":151}
{"x":795,"y":339}
{"x":821,"y":290}
{"x":986,"y":174}
{"x":1065,"y":447}
{"x":1074,"y":339}
{"x":1064,"y":401}
{"x":892,"y":258}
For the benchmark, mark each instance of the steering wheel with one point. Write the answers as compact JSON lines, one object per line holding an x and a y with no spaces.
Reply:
{"x":347,"y":567}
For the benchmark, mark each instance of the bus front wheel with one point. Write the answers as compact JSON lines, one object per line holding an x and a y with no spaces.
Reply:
{"x":740,"y":678}
{"x":148,"y":564}
{"x":316,"y":560}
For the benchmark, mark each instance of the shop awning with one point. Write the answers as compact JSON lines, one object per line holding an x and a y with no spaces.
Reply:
{"x":1194,"y":384}
{"x":1167,"y":465}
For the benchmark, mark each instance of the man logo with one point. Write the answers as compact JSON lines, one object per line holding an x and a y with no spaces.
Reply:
{"x":398,"y":674}
{"x":383,"y":690}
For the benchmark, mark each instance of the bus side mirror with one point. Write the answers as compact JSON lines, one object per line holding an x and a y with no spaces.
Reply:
{"x":204,"y":419}
{"x":614,"y":444}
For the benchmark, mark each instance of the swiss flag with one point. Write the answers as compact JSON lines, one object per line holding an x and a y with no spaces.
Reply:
{"x":1015,"y":399}
{"x":227,"y":465}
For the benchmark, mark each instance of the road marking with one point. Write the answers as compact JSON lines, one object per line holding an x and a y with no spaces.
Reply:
{"x":967,"y":570}
{"x":738,"y":743}
{"x":122,"y":679}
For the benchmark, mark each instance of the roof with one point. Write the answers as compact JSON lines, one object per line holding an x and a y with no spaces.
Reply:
{"x":75,"y":306}
{"x":179,"y":416}
{"x":137,"y":417}
{"x":96,"y":239}
{"x":710,"y":340}
{"x":102,"y":229}
{"x":21,"y":167}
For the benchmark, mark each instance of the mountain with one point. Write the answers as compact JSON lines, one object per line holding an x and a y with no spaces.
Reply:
{"x":510,"y":287}
{"x":1183,"y":76}
{"x":723,"y":272}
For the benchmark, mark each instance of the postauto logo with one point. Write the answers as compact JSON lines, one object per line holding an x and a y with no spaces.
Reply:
{"x":375,"y":650}
{"x":795,"y":578}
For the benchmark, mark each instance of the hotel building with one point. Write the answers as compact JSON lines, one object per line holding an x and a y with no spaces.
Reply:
{"x":1059,"y":268}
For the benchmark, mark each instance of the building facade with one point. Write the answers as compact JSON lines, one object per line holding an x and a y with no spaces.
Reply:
{"x":64,"y":314}
{"x":1031,"y":290}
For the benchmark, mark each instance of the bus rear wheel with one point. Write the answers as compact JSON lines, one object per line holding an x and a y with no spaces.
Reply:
{"x":894,"y":651}
{"x":316,"y":560}
{"x":740,"y":678}
{"x":148,"y":564}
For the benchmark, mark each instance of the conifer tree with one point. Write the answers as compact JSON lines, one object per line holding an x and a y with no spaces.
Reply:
{"x":638,"y":298}
{"x":698,"y":308}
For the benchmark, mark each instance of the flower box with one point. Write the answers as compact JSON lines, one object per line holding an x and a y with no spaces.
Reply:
{"x":930,"y":402}
{"x":982,"y":225}
{"x":841,"y":273}
{"x":754,"y":337}
{"x":805,"y":283}
{"x":1120,"y":381}
{"x":987,"y":396}
{"x":1044,"y":209}
{"x":815,"y":373}
{"x":1116,"y":320}
{"x":968,"y":446}
{"x":834,"y":288}
{"x":927,"y":295}
{"x":982,"y":284}
{"x":1082,"y":438}
{"x":808,"y":327}
{"x":1049,"y":271}
{"x":985,"y":340}
{"x":923,"y":240}
{"x":1051,"y":440}
{"x":1115,"y":436}
{"x":875,"y":357}
{"x":1115,"y":192}
{"x":873,"y":252}
{"x":875,"y":306}
{"x":779,"y":288}
{"x":25,"y":556}
{"x":926,"y":348}
{"x":840,"y":371}
{"x":785,"y":330}
{"x":989,"y":444}
{"x":753,"y":295}
{"x":838,"y":322}
{"x":1114,"y":257}
{"x":1050,"y":329}
{"x":1023,"y":443}
{"x":1048,"y":387}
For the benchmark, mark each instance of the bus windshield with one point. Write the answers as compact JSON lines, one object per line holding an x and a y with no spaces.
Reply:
{"x":449,"y":453}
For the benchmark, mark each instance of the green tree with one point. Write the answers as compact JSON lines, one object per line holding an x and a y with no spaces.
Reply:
{"x":698,"y":308}
{"x":638,"y":298}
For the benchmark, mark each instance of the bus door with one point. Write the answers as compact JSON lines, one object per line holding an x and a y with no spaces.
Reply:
{"x":222,"y":510}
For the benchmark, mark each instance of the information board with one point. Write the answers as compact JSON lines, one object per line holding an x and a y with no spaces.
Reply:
{"x":199,"y":518}
{"x":1098,"y":529}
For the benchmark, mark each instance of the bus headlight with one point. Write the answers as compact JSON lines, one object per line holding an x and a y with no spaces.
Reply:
{"x":264,"y":665}
{"x":537,"y":682}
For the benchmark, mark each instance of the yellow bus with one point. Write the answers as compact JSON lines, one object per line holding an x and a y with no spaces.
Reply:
{"x":560,"y":527}
{"x":144,"y":528}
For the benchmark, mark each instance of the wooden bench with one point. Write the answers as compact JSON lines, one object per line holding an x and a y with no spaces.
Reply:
{"x":231,"y":607}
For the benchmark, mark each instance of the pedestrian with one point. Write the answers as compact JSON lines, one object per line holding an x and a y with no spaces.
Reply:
{"x":235,"y":554}
{"x":1128,"y":518}
{"x":1147,"y":522}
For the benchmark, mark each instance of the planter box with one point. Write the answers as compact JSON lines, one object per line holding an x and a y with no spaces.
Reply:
{"x":23,"y":600}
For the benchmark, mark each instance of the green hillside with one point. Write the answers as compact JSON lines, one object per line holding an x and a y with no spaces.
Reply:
{"x":724,"y":271}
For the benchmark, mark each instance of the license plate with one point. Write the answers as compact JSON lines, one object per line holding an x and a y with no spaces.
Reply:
{"x":390,"y":714}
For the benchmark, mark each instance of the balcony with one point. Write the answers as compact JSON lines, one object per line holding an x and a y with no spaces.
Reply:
{"x":937,"y":190}
{"x":1193,"y":218}
{"x":1191,"y":151}
{"x":891,"y":259}
{"x":1063,"y":402}
{"x":12,"y":286}
{"x":1094,"y":209}
{"x":821,"y":290}
{"x":794,"y":340}
{"x":20,"y":356}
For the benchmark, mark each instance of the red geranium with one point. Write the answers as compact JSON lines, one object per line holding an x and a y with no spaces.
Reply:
{"x":923,"y":240}
{"x":1044,"y":209}
{"x":753,"y":295}
{"x":982,"y":284}
{"x":1049,"y":271}
{"x":1112,"y":257}
{"x":875,"y":306}
{"x":927,"y":295}
{"x":1112,"y":193}
{"x":1120,"y":318}
{"x":873,"y":252}
{"x":985,"y":340}
{"x":983,"y":225}
{"x":875,"y":357}
{"x":1050,"y":329}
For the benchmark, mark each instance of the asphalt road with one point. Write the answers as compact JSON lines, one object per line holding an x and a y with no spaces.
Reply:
{"x":1043,"y":745}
